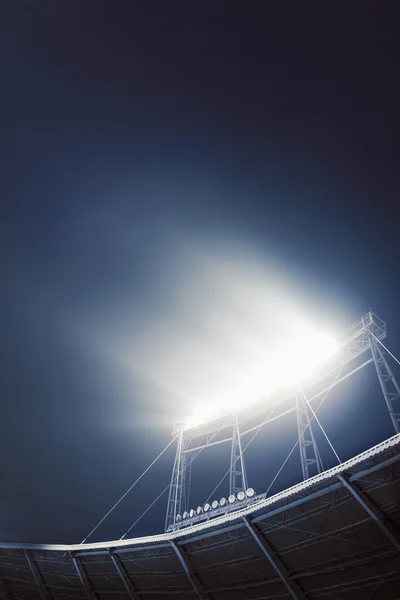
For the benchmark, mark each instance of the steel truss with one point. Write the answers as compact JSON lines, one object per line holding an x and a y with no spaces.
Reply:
{"x":237,"y":468}
{"x":363,"y":336}
{"x":311,"y":463}
{"x":369,"y":529}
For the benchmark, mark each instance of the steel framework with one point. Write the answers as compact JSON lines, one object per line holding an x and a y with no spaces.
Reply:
{"x":336,"y":535}
{"x":365,"y":335}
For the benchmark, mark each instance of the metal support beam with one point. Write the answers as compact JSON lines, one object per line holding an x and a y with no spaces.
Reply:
{"x":132,"y":593}
{"x":43,"y":591}
{"x":309,"y":454}
{"x":389,"y":385}
{"x":374,"y":512}
{"x":292,"y":587}
{"x":179,"y":489}
{"x":191,"y":575}
{"x":83,"y":577}
{"x":237,"y":468}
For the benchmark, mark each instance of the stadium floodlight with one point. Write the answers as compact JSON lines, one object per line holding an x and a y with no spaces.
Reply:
{"x":250,"y":493}
{"x":241,"y":496}
{"x":291,"y":360}
{"x":178,"y":517}
{"x":206,"y":507}
{"x":231,"y":498}
{"x":215,"y":504}
{"x":185,"y":515}
{"x":199,"y":510}
{"x":191,"y":513}
{"x":222,"y":502}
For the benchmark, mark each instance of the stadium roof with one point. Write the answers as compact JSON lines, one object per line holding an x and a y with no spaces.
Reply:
{"x":336,"y":536}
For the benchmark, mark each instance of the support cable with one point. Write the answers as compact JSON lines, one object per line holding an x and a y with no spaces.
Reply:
{"x":384,"y":347}
{"x":244,"y":449}
{"x":166,"y":488}
{"x":131,"y":488}
{"x":297,"y":441}
{"x":319,"y":423}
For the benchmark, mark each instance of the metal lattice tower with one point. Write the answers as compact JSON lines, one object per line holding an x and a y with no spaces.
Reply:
{"x":390,"y":387}
{"x":311,"y":463}
{"x":179,"y":491}
{"x":360,"y":339}
{"x":237,"y":468}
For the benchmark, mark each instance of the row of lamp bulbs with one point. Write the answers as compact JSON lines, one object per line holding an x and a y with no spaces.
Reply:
{"x":215,"y":504}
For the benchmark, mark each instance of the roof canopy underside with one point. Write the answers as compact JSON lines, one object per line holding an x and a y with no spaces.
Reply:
{"x":335,"y":536}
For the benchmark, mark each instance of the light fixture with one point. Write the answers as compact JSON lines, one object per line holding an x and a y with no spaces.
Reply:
{"x":206,"y":507}
{"x":222,"y":502}
{"x":250,"y":493}
{"x":178,"y":517}
{"x":199,"y":510}
{"x":214,"y":504}
{"x":241,"y":496}
{"x":192,"y":513}
{"x":231,"y":498}
{"x":185,"y":515}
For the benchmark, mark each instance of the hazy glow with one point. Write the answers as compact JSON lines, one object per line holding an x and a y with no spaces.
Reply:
{"x":292,"y":362}
{"x":224,"y":329}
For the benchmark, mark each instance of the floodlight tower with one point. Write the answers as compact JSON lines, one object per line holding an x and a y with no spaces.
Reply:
{"x":360,"y":339}
{"x":311,"y":463}
{"x":191,"y":441}
{"x":237,"y":468}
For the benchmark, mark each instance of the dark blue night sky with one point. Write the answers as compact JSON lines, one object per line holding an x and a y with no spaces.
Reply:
{"x":162,"y":162}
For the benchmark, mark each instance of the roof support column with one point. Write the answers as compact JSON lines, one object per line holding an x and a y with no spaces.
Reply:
{"x":191,"y":575}
{"x":132,"y":593}
{"x":292,"y":587}
{"x":83,"y":578}
{"x":43,"y":591}
{"x":374,"y":512}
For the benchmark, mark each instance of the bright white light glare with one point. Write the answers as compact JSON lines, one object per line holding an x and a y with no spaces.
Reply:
{"x":291,"y":362}
{"x":229,"y":331}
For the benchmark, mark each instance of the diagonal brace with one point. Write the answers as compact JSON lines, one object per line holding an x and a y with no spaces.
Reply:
{"x":374,"y":512}
{"x":43,"y":591}
{"x":83,"y":578}
{"x":191,"y":575}
{"x":132,"y":593}
{"x":292,"y":587}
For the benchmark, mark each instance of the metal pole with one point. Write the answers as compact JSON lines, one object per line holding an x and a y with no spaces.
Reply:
{"x":244,"y":477}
